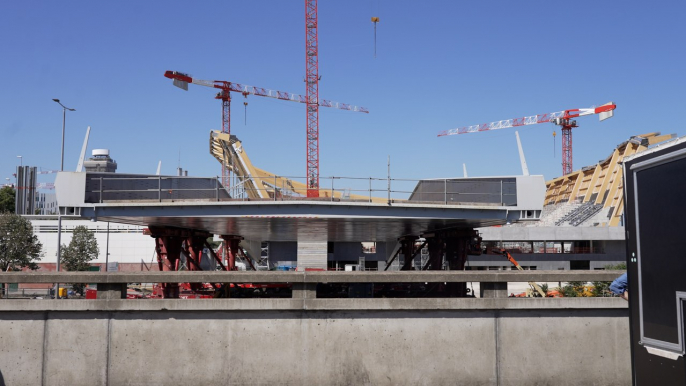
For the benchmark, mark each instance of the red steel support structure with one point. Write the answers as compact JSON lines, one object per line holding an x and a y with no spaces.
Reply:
{"x":168,"y":250}
{"x":169,"y":245}
{"x":312,"y":82}
{"x":230,"y":246}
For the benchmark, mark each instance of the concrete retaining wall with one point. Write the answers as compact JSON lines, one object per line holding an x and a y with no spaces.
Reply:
{"x":191,"y":344}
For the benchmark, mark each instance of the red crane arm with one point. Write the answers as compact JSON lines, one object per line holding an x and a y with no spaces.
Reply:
{"x":532,"y":120}
{"x":181,"y":80}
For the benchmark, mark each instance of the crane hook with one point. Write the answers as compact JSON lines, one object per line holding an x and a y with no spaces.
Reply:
{"x":375,"y":20}
{"x":245,"y":108}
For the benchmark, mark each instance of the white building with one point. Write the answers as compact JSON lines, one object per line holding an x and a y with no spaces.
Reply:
{"x":128,"y":246}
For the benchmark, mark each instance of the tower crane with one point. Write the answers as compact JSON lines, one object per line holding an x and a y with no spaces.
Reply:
{"x":560,"y":118}
{"x":225,"y":88}
{"x":312,"y":91}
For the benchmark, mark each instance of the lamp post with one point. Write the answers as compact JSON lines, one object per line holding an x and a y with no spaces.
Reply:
{"x":59,"y":212}
{"x":64,"y":118}
{"x":21,"y":160}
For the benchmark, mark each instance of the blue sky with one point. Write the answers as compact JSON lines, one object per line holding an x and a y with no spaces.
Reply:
{"x":440,"y":65}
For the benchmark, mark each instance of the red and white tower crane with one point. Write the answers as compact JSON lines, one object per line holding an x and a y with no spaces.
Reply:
{"x":560,"y":118}
{"x":181,"y":80}
{"x":312,"y":85}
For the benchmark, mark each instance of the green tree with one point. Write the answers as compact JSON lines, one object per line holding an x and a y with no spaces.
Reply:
{"x":7,"y":203}
{"x":19,"y":247}
{"x":76,"y":256}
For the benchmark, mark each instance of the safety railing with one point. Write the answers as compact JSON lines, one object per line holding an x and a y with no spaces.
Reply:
{"x":101,"y":188}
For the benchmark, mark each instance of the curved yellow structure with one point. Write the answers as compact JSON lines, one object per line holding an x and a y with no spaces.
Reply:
{"x":255,"y":183}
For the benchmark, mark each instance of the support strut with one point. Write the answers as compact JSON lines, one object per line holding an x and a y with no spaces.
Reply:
{"x":231,"y":250}
{"x":407,"y":246}
{"x":451,"y":246}
{"x":169,"y":247}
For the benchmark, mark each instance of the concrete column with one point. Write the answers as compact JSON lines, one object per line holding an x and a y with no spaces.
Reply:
{"x":493,"y":290}
{"x":312,"y":254}
{"x":304,"y":290}
{"x":112,"y":291}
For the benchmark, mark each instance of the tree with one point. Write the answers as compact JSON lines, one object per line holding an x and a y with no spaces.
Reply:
{"x":19,"y":247}
{"x":76,"y":256}
{"x":7,"y":203}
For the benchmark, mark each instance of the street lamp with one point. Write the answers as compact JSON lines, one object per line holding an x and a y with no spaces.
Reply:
{"x":64,"y":118}
{"x":59,"y":213}
{"x":21,"y":160}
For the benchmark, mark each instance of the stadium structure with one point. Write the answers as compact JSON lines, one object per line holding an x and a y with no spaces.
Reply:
{"x":581,"y":225}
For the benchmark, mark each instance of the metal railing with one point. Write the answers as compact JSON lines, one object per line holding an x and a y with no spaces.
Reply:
{"x":108,"y":188}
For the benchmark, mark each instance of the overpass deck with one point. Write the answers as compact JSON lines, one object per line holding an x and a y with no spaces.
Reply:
{"x":202,"y":204}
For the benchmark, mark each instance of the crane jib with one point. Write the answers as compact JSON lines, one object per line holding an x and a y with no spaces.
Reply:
{"x":532,"y":120}
{"x":181,"y":79}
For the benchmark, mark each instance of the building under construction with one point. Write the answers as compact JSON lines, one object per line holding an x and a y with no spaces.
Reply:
{"x":340,"y":226}
{"x":582,"y":222}
{"x":266,"y":221}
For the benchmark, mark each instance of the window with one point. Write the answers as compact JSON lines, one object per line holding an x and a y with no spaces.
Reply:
{"x":368,"y":247}
{"x":530,"y":214}
{"x":518,"y":246}
{"x":544,"y":247}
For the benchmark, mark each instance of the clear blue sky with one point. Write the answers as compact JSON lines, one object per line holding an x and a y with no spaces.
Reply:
{"x":440,"y":65}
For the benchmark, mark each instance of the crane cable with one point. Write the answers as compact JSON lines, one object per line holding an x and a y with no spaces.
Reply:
{"x":554,"y":134}
{"x":375,"y":20}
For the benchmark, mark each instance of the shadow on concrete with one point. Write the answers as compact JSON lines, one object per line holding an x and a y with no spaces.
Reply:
{"x":2,"y":379}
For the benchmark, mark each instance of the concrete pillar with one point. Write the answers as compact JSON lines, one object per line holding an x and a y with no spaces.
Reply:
{"x":493,"y":290}
{"x":112,"y":291}
{"x":312,"y":254}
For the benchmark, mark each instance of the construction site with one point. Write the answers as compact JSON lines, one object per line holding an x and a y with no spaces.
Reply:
{"x":252,"y":219}
{"x":245,"y":274}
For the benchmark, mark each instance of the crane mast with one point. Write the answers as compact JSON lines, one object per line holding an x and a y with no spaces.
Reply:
{"x":312,"y":95}
{"x":560,"y":118}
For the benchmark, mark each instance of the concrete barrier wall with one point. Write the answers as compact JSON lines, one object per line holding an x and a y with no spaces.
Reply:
{"x":560,"y":346}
